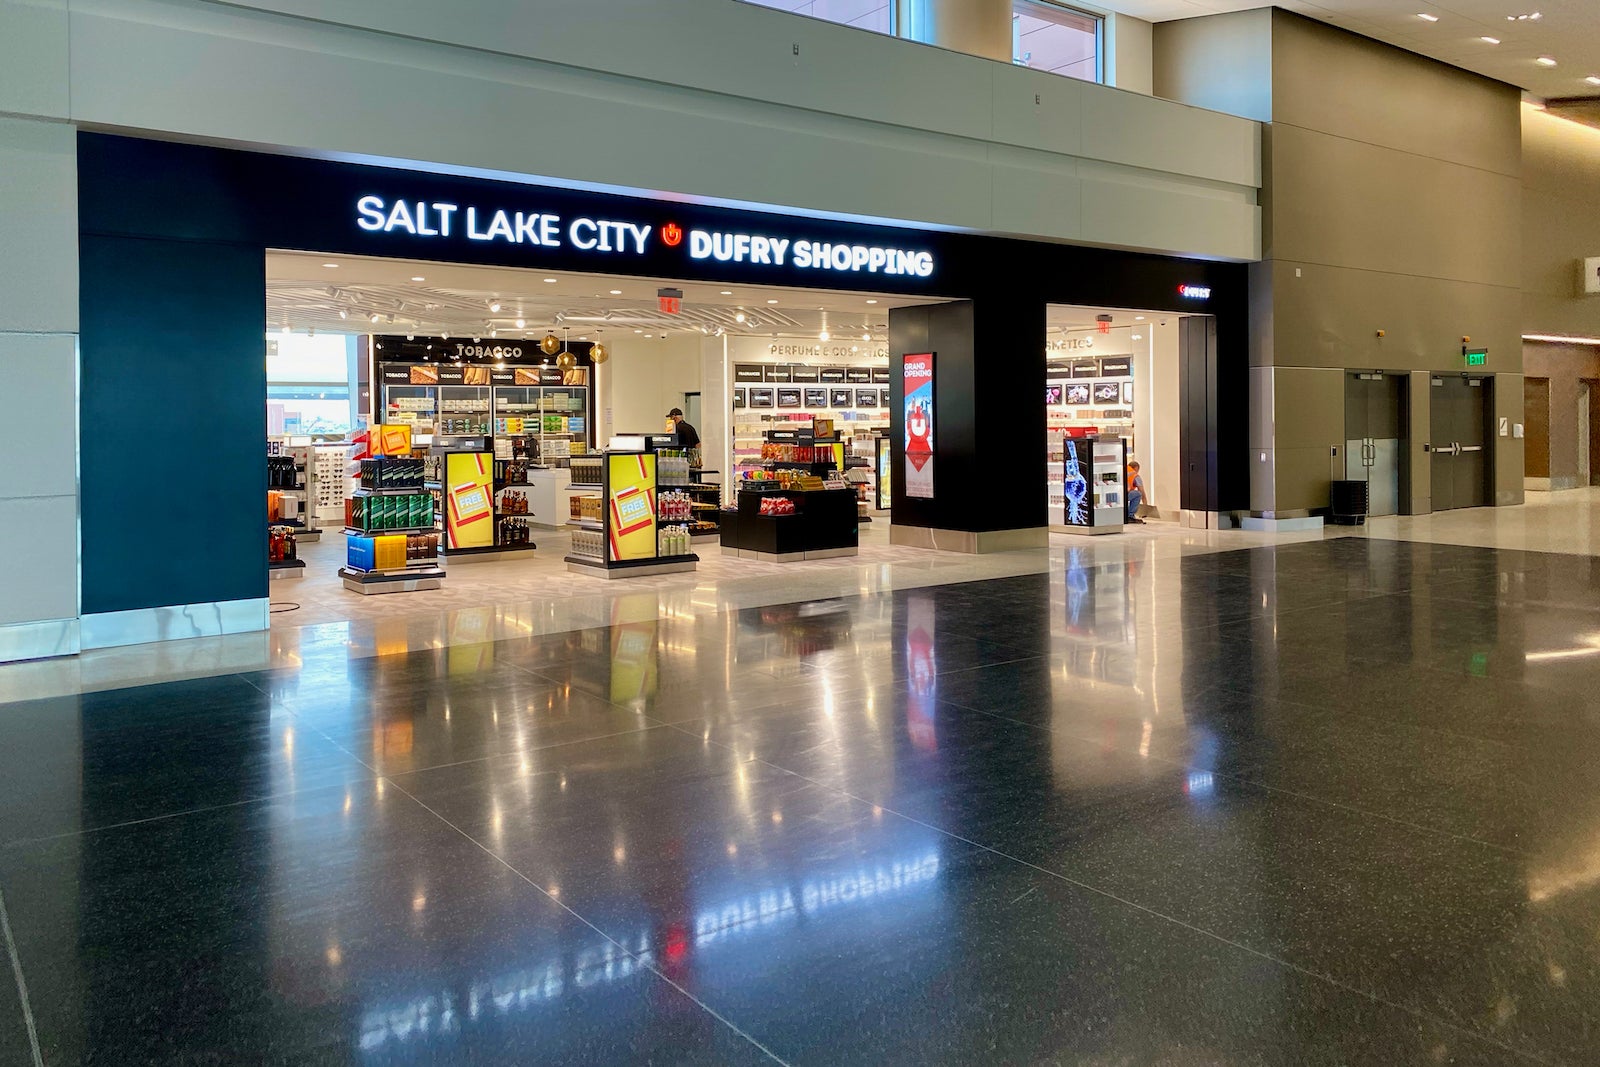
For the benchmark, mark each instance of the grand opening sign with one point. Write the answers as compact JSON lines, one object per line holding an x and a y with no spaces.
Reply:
{"x":918,"y":373}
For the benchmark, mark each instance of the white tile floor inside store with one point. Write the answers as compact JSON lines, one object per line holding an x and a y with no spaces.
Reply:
{"x":535,"y":594}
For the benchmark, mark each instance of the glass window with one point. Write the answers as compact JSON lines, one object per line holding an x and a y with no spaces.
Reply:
{"x":1057,"y":39}
{"x":309,"y":386}
{"x":874,"y":15}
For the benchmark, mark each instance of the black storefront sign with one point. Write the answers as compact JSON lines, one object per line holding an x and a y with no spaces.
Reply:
{"x":831,"y":375}
{"x":1116,"y":367}
{"x":799,"y":373}
{"x":777,"y":372}
{"x":738,"y":398}
{"x":840,"y":398}
{"x":866,"y":398}
{"x":761,"y":398}
{"x":858,"y":374}
{"x":788,"y":398}
{"x":1085,"y":368}
{"x":747,"y":373}
{"x":816,"y":398}
{"x":880,"y":375}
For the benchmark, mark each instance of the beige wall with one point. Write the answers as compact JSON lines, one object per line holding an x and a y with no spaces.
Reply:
{"x":1392,"y":204}
{"x":1560,"y":223}
{"x":644,"y":379}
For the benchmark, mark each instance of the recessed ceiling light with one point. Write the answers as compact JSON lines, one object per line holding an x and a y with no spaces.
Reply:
{"x":418,"y":278}
{"x":872,"y":301}
{"x":1425,"y":17}
{"x":331,"y":266}
{"x":727,"y":292}
{"x":1489,"y":40}
{"x":866,"y":337}
{"x":343,"y":314}
{"x":739,"y":316}
{"x":772,"y":301}
{"x":1593,"y":79}
{"x":550,"y":281}
{"x":521,"y":323}
{"x":1138,"y":318}
{"x":494,"y":305}
{"x":616,"y":292}
{"x":1546,"y":61}
{"x":374,"y":317}
{"x":1532,"y":16}
{"x":638,"y":331}
{"x":823,"y":336}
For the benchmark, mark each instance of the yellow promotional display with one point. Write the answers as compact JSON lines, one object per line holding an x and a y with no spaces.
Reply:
{"x":631,"y":500}
{"x":469,"y":499}
{"x":392,"y":439}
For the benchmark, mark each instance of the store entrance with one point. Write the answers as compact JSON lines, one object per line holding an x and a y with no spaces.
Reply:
{"x":1114,"y":374}
{"x":482,"y":399}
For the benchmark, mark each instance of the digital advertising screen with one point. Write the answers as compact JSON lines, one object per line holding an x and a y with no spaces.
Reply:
{"x":469,"y":499}
{"x":917,"y":371}
{"x":631,"y":503}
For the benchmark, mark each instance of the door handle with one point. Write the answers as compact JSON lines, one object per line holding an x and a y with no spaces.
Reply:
{"x":1455,"y":448}
{"x":1472,"y":448}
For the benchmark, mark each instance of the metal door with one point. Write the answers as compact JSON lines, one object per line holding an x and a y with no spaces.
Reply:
{"x":1375,"y":438}
{"x":1459,"y":442}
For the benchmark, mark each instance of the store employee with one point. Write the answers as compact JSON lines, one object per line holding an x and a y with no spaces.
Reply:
{"x":688,"y":436}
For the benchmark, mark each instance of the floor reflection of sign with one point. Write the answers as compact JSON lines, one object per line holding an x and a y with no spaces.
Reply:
{"x":884,"y":465}
{"x":633,"y":661}
{"x":922,"y":673}
{"x":1078,"y":459}
{"x":919,"y":441}
{"x":633,"y":506}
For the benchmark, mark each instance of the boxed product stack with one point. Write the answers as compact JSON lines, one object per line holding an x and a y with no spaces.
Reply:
{"x":391,"y":472}
{"x":588,"y":470}
{"x":589,"y":543}
{"x":407,"y":511}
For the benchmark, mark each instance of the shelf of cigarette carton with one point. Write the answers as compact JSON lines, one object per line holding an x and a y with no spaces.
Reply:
{"x":697,"y":506}
{"x":353,"y":532}
{"x":584,"y":485}
{"x":587,"y":524}
{"x":703,"y":488}
{"x":414,"y":490}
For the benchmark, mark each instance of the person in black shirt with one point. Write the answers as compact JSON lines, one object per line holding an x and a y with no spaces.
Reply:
{"x":688,"y":436}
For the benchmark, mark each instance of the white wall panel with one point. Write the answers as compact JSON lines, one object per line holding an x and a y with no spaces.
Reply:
{"x":33,"y":57}
{"x":39,"y":431}
{"x":38,"y":226}
{"x":869,"y":127}
{"x":39,"y":542}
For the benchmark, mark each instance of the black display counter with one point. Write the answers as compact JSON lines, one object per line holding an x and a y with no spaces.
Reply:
{"x":823,"y":525}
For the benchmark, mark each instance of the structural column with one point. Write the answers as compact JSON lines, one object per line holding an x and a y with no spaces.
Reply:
{"x":977,"y":27}
{"x":39,"y":379}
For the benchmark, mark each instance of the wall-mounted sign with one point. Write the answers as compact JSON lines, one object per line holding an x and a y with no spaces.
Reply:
{"x":832,"y":375}
{"x":839,"y":398}
{"x":738,"y":398}
{"x":1475,"y":357}
{"x":1085,"y":368}
{"x":1589,"y":275}
{"x":789,"y":398}
{"x":749,"y":372}
{"x":450,"y":220}
{"x":1070,"y":344}
{"x":816,"y":398}
{"x":1118,"y":367}
{"x":800,"y":373}
{"x":858,"y":374}
{"x":776,"y":372}
{"x":761,"y":398}
{"x":1195,"y":292}
{"x":880,"y":375}
{"x":866,"y":398}
{"x":917,"y":371}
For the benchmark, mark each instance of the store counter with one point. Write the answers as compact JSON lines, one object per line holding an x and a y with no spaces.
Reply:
{"x":548,"y":495}
{"x":822,"y":525}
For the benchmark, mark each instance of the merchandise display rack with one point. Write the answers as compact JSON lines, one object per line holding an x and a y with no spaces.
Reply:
{"x":374,"y":545}
{"x":626,"y":538}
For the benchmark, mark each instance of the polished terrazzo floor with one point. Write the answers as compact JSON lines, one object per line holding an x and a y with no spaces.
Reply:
{"x":1328,"y":802}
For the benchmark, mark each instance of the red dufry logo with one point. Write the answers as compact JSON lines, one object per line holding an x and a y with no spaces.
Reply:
{"x":672,"y":235}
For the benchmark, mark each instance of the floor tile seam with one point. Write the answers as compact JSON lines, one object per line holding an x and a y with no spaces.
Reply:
{"x":1146,"y":909}
{"x":1431,"y":831}
{"x":391,"y":775}
{"x":21,"y":982}
{"x":647,"y":964}
{"x":266,"y":798}
{"x":1420,"y":728}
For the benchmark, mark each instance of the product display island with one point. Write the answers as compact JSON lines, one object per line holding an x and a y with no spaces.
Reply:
{"x":787,"y":525}
{"x":1093,"y":482}
{"x":624,"y":526}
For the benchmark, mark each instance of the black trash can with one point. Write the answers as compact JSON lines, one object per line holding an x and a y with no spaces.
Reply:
{"x":1349,"y":503}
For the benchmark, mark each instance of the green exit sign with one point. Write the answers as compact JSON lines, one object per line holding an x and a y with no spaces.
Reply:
{"x":1476,"y":357}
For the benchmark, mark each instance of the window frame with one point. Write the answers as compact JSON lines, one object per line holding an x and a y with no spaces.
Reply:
{"x":1020,"y":7}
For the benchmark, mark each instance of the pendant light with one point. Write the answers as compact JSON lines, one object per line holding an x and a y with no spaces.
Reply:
{"x":566,"y":360}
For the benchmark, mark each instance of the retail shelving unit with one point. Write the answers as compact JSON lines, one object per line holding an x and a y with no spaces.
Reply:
{"x":619,"y":535}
